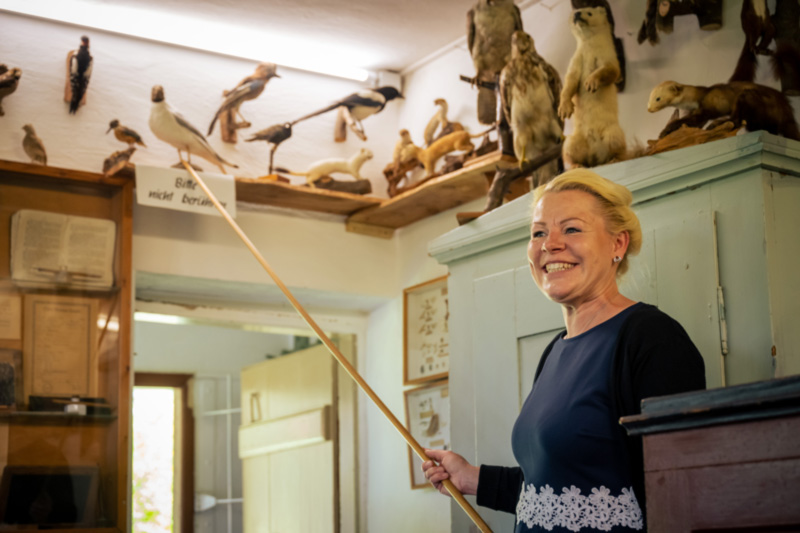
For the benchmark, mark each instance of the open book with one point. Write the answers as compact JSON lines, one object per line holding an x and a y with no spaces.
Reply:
{"x":52,"y":248}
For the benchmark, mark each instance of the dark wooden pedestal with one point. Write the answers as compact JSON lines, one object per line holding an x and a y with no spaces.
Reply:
{"x":723,"y":460}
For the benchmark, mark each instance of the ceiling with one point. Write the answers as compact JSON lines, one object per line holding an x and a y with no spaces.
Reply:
{"x":382,"y":34}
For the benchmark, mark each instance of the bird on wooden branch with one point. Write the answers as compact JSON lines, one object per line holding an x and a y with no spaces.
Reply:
{"x":249,"y":88}
{"x":125,"y":134}
{"x":274,"y":135}
{"x":117,"y":161}
{"x":529,"y":93}
{"x":169,"y":126}
{"x":9,"y":81}
{"x":360,"y":105}
{"x":80,"y":70}
{"x":490,"y":24}
{"x":33,"y":145}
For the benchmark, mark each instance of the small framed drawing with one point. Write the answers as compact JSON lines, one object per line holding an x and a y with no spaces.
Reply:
{"x":428,"y":420}
{"x":426,"y":339}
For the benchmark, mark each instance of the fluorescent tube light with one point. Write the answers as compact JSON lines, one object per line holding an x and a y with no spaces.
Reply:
{"x":282,"y":49}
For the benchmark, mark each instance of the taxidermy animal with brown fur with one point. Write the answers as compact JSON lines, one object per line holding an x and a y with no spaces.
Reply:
{"x":589,"y":92}
{"x":326,"y":167}
{"x":758,"y":32}
{"x":757,"y":106}
{"x":456,"y":141}
{"x":490,"y":24}
{"x":529,"y":92}
{"x":9,"y":80}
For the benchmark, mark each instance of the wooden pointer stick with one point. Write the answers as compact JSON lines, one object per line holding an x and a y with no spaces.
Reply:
{"x":454,"y":492}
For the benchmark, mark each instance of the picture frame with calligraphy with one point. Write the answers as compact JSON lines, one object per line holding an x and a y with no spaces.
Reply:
{"x":428,"y":421}
{"x":426,"y":337}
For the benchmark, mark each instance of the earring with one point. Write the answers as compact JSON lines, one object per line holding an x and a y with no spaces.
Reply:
{"x":617,"y":259}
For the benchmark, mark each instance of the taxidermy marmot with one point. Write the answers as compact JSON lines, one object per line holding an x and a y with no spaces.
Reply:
{"x":590,"y":93}
{"x":757,"y":106}
{"x":326,"y":167}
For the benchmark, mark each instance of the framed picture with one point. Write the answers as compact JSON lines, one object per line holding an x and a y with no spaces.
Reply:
{"x":426,"y":339}
{"x":428,"y":421}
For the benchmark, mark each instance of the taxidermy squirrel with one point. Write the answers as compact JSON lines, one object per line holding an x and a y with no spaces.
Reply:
{"x":326,"y":167}
{"x":589,"y":91}
{"x":756,"y":106}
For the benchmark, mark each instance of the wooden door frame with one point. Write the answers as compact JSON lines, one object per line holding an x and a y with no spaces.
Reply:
{"x":179,"y":381}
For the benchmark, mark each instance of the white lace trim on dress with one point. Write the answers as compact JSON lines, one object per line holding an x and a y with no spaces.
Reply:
{"x":572,"y":510}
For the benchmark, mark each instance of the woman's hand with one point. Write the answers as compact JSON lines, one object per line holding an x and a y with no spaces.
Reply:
{"x":453,"y":467}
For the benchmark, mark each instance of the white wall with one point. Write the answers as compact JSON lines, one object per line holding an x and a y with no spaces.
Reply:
{"x":314,"y":254}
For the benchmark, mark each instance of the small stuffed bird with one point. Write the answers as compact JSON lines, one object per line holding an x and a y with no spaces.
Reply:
{"x":80,"y":70}
{"x":116,"y":161}
{"x":490,"y":24}
{"x":360,"y":105}
{"x":33,"y":146}
{"x":125,"y":134}
{"x":274,"y":135}
{"x":529,"y":92}
{"x":169,"y":126}
{"x":249,"y":88}
{"x":9,"y":80}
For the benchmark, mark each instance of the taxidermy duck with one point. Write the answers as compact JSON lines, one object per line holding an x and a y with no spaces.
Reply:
{"x":80,"y":70}
{"x":33,"y":146}
{"x":125,"y":134}
{"x":249,"y":88}
{"x":169,"y":126}
{"x":490,"y":24}
{"x":9,"y":80}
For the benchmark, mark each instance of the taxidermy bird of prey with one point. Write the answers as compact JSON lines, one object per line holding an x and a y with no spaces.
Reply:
{"x":490,"y":24}
{"x":80,"y":70}
{"x":9,"y":80}
{"x":274,"y":135}
{"x":360,"y":105}
{"x":529,"y":92}
{"x":247,"y":89}
{"x":125,"y":134}
{"x":33,"y":146}
{"x":169,"y":126}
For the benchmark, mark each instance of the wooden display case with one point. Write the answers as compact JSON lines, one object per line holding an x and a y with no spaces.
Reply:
{"x":50,"y":445}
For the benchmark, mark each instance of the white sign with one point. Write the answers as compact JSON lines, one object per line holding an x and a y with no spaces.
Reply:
{"x":173,"y":188}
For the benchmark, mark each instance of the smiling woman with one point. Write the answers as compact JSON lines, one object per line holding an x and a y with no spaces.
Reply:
{"x":577,"y":468}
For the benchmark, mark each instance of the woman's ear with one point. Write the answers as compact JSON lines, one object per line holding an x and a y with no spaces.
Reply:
{"x":621,"y":242}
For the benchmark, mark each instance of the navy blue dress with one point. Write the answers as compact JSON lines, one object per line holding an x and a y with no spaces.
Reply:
{"x":570,"y":447}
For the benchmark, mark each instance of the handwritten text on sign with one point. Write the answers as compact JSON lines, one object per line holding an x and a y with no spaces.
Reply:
{"x":172,"y":188}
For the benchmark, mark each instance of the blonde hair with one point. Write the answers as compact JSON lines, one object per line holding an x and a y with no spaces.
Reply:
{"x":614,"y":200}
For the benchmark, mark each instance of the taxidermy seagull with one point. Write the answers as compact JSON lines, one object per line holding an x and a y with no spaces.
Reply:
{"x":169,"y":126}
{"x":125,"y":134}
{"x":490,"y":24}
{"x":80,"y":70}
{"x":33,"y":146}
{"x":9,"y":80}
{"x":360,"y":105}
{"x":248,"y":89}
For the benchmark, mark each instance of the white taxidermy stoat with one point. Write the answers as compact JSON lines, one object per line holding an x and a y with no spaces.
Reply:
{"x":326,"y":167}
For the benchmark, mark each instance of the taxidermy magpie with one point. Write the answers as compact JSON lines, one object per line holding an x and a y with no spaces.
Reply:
{"x":9,"y":80}
{"x":33,"y":146}
{"x":490,"y":24}
{"x":248,"y":89}
{"x":125,"y":134}
{"x":360,"y":104}
{"x":80,"y":70}
{"x":169,"y":126}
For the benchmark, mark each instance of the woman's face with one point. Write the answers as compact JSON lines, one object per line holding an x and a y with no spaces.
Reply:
{"x":571,"y":252}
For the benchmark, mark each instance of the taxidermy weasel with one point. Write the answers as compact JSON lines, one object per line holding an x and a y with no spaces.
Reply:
{"x":458,"y":140}
{"x":756,"y":106}
{"x":326,"y":167}
{"x":590,"y":93}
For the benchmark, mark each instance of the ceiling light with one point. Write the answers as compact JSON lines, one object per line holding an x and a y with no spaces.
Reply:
{"x":283,"y":49}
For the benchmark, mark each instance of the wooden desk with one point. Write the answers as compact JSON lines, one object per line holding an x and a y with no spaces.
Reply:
{"x":726,"y":460}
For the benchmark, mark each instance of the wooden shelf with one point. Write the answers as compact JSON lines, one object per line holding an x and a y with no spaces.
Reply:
{"x":376,"y":216}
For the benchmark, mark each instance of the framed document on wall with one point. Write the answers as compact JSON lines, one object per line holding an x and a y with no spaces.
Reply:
{"x":428,"y":420}
{"x":426,"y":338}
